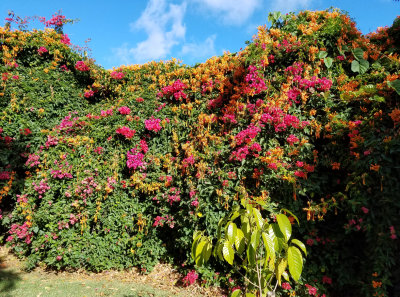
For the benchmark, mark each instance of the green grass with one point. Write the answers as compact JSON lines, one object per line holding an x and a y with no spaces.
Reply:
{"x":32,"y":284}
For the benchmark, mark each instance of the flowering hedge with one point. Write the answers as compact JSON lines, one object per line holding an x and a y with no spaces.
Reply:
{"x":112,"y":169}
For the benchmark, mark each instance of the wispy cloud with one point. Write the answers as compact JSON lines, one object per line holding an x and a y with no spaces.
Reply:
{"x":163,"y":24}
{"x":285,"y":6}
{"x":233,"y":12}
{"x":199,"y":51}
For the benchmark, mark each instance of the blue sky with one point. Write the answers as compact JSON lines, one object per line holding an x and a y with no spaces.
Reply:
{"x":123,"y":32}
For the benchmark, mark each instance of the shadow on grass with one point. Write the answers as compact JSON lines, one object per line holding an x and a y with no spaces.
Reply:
{"x":8,"y":280}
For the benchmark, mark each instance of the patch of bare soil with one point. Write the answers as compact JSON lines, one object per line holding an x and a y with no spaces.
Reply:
{"x":163,"y":277}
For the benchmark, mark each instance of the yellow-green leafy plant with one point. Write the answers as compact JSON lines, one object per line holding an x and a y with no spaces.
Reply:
{"x":258,"y":248}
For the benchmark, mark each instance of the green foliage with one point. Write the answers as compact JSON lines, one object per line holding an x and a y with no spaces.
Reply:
{"x":256,"y":248}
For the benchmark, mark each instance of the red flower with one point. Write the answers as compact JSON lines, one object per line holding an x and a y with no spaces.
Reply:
{"x":286,"y":286}
{"x":311,"y":290}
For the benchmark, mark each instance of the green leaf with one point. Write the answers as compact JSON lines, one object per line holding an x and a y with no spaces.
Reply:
{"x":236,"y":293}
{"x":355,"y":66}
{"x":358,"y":54}
{"x":194,"y":245}
{"x":284,"y":226}
{"x":198,"y":256}
{"x":291,"y":213}
{"x":395,"y":84}
{"x":295,"y":261}
{"x":322,"y":54}
{"x":228,"y":252}
{"x":364,"y":66}
{"x":239,"y":241}
{"x":251,"y":255}
{"x":207,"y":251}
{"x":268,"y":243}
{"x":231,"y":232}
{"x":280,"y":269}
{"x":220,"y":223}
{"x":328,"y":62}
{"x":258,"y":218}
{"x":250,"y":295}
{"x":300,"y":245}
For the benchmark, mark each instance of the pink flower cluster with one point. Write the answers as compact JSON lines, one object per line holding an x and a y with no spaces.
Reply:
{"x":65,"y":39}
{"x":21,"y":231}
{"x":292,"y":139}
{"x":188,"y":161}
{"x":173,"y":196}
{"x":190,"y":278}
{"x":51,"y":141}
{"x":81,"y":66}
{"x":86,"y":188}
{"x":88,"y":94}
{"x":160,"y":221}
{"x":392,"y":232}
{"x":134,"y":159}
{"x":247,"y":135}
{"x":126,"y":131}
{"x":255,"y":84}
{"x":42,"y":50}
{"x":106,"y":113}
{"x":62,"y":171}
{"x":117,"y":75}
{"x":124,"y":110}
{"x":153,"y":124}
{"x":295,"y":69}
{"x":57,"y":20}
{"x":320,"y":84}
{"x":4,"y":175}
{"x":175,"y":90}
{"x":41,"y":188}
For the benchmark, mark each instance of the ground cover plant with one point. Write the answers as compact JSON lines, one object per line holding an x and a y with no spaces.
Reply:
{"x":112,"y":169}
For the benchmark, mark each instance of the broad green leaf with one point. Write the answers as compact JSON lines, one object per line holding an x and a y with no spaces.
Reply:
{"x":322,"y":54}
{"x":291,"y":213}
{"x":300,"y":245}
{"x":280,"y":269}
{"x":271,"y":263}
{"x":218,"y":250}
{"x":328,"y":62}
{"x":268,"y":243}
{"x":207,"y":251}
{"x":251,"y":255}
{"x":284,"y":226}
{"x":228,"y":252}
{"x":231,"y":232}
{"x":220,"y":223}
{"x":196,"y":234}
{"x":358,"y":53}
{"x":198,"y":256}
{"x":364,"y":66}
{"x":395,"y":84}
{"x":236,"y":293}
{"x":258,"y":218}
{"x":255,"y":239}
{"x":194,"y":245}
{"x":239,"y":241}
{"x":235,"y":215}
{"x":250,"y":295}
{"x":245,"y":227}
{"x":295,"y":261}
{"x":355,"y":66}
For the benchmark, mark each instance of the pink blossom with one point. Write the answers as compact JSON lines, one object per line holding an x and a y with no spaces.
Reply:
{"x":126,"y":131}
{"x":117,"y":75}
{"x":286,"y":286}
{"x":364,"y":209}
{"x":311,"y":290}
{"x":292,"y":139}
{"x":124,"y":110}
{"x":153,"y":124}
{"x":190,"y":278}
{"x":89,"y":94}
{"x":81,"y":66}
{"x":310,"y":241}
{"x":326,"y":280}
{"x":42,"y":50}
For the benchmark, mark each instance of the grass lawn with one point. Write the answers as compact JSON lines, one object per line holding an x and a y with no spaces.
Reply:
{"x":14,"y":282}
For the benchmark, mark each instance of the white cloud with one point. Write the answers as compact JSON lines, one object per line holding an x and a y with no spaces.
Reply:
{"x":164,"y":27}
{"x":234,"y":12}
{"x":285,"y":6}
{"x":202,"y":50}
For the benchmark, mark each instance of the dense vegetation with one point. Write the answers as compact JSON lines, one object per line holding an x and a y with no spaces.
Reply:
{"x":112,"y":169}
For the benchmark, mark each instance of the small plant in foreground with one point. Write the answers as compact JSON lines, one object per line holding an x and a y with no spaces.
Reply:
{"x":257,"y":249}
